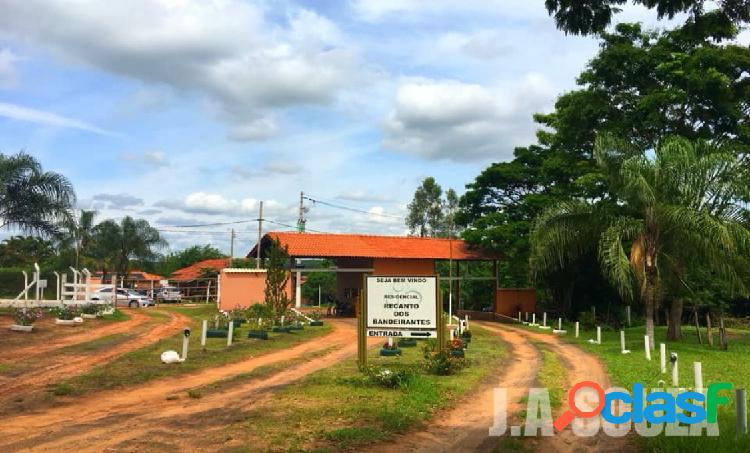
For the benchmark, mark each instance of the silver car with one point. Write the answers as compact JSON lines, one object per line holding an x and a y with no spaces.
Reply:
{"x":125,"y":298}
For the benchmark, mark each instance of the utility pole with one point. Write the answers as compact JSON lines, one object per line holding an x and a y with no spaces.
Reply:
{"x":260,"y":236}
{"x":301,"y":220}
{"x":231,"y":247}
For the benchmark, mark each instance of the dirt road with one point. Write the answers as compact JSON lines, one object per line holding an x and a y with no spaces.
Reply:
{"x":50,"y":369}
{"x":466,"y":427}
{"x":128,"y":419}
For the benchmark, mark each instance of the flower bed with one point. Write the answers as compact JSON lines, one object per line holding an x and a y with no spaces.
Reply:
{"x":407,"y":342}
{"x":24,"y":318}
{"x":281,"y":329}
{"x":389,"y":350}
{"x":258,"y":334}
{"x":216,"y":333}
{"x":317,"y":323}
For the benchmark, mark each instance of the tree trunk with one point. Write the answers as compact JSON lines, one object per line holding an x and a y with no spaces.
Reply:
{"x":649,"y":299}
{"x":674,"y":330}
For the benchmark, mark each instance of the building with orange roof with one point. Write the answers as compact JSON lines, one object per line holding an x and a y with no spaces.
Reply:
{"x":357,"y":255}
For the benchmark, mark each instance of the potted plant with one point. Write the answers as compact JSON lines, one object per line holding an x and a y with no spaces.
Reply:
{"x":407,"y":342}
{"x":456,"y":348}
{"x":258,"y":330}
{"x":24,"y":318}
{"x":66,"y":315}
{"x":221,"y":327}
{"x":90,"y":311}
{"x":281,"y":325}
{"x":237,"y":315}
{"x":466,"y":336}
{"x":316,"y":316}
{"x":389,"y":349}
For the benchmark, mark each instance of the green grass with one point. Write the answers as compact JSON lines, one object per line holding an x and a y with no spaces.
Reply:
{"x":143,"y":365}
{"x":552,"y":375}
{"x":731,"y":366}
{"x":339,"y":407}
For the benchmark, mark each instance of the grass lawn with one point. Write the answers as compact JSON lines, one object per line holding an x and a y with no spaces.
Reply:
{"x":731,"y":366}
{"x":339,"y":407}
{"x":144,"y":364}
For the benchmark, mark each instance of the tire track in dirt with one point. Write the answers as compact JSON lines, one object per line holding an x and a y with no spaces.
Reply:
{"x":65,"y":367}
{"x":136,"y":319}
{"x":107,"y":419}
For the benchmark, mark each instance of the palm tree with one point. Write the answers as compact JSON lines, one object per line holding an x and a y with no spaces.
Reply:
{"x":31,"y":199}
{"x":80,"y":231}
{"x":679,"y":208}
{"x":115,"y":244}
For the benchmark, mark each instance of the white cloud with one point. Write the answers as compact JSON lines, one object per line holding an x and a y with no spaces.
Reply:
{"x":448,"y":119}
{"x":362,"y":196}
{"x":482,"y":45}
{"x":117,"y":201}
{"x":217,"y":204}
{"x":21,"y":113}
{"x":150,"y":158}
{"x":8,"y":68}
{"x":224,"y":51}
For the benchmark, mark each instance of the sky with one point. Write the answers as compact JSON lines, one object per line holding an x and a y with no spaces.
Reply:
{"x":187,"y":112}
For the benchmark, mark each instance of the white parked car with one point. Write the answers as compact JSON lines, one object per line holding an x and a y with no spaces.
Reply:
{"x":125,"y":298}
{"x":168,"y":294}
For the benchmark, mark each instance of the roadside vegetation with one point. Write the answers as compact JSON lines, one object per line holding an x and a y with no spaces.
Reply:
{"x":341,"y":407}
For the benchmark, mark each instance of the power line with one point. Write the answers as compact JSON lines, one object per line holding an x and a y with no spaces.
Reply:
{"x":347,"y":208}
{"x":213,"y":224}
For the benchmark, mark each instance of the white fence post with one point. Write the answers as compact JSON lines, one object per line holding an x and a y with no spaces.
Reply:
{"x":675,"y":370}
{"x":203,"y":333}
{"x":622,"y":343}
{"x":598,"y":335}
{"x":647,"y":346}
{"x":576,"y":329}
{"x":25,"y":285}
{"x":37,"y":276}
{"x":741,"y":404}
{"x":662,"y":357}
{"x":698,"y":377}
{"x":230,"y":334}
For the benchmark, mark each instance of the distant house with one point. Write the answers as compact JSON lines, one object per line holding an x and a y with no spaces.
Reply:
{"x":199,"y":281}
{"x":198,"y":270}
{"x":135,"y":278}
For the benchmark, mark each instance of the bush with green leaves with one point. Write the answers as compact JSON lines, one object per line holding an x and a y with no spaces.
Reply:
{"x":66,"y":312}
{"x":441,"y":362}
{"x":259,"y":310}
{"x":91,"y":309}
{"x":26,"y":316}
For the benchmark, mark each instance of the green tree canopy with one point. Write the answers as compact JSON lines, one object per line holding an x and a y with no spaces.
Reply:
{"x":183,"y":258}
{"x":31,"y":199}
{"x":116,"y":244}
{"x":277,"y":278}
{"x":430,"y":213}
{"x":582,"y":17}
{"x":24,"y":251}
{"x":668,"y":212}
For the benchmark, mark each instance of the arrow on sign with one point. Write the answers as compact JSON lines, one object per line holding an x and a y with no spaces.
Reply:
{"x":420,"y":334}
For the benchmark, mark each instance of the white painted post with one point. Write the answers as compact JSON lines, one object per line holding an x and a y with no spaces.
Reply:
{"x":559,"y":323}
{"x":185,"y":341}
{"x":741,"y":404}
{"x":37,"y":276}
{"x":675,"y":372}
{"x":544,"y":319}
{"x":627,"y":313}
{"x":318,"y":295}
{"x":451,"y":334}
{"x":203,"y":333}
{"x":698,"y":377}
{"x":577,"y":329}
{"x":622,"y":342}
{"x":533,"y":318}
{"x":25,"y":285}
{"x":57,"y":286}
{"x":298,"y":290}
{"x":647,"y":346}
{"x":390,"y":340}
{"x":519,"y":317}
{"x":282,"y":320}
{"x":231,"y":333}
{"x":598,"y":335}
{"x":466,"y":322}
{"x":662,"y":357}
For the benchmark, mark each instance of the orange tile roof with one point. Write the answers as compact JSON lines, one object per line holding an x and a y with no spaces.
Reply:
{"x":194,"y":270}
{"x":136,"y":275}
{"x":310,"y":245}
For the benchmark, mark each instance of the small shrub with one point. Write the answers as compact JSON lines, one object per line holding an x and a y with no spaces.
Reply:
{"x":27,"y":316}
{"x":259,"y":310}
{"x":192,"y":393}
{"x":91,"y":309}
{"x":387,"y":378}
{"x":441,"y":363}
{"x":390,"y":347}
{"x":62,"y":389}
{"x":65,"y":312}
{"x":316,"y":315}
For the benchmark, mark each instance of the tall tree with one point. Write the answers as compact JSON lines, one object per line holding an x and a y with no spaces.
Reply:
{"x":31,"y":199}
{"x":24,"y":251}
{"x":78,"y":233}
{"x":277,"y":278}
{"x":115,"y":244}
{"x":582,"y":17}
{"x":670,"y":211}
{"x":425,"y":216}
{"x":183,"y":258}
